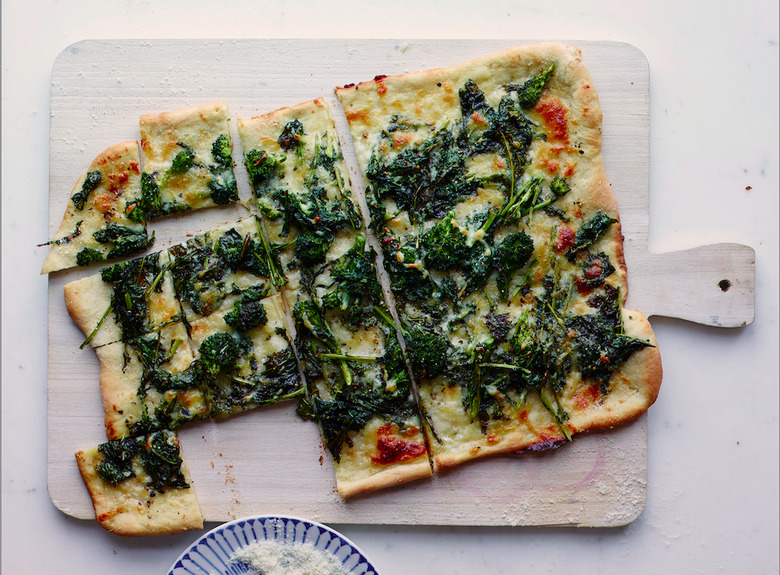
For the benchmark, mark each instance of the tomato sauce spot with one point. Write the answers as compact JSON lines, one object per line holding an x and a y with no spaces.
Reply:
{"x":565,"y":239}
{"x":554,"y":115}
{"x":392,"y":448}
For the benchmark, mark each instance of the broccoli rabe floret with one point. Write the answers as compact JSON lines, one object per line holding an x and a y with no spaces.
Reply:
{"x":514,"y":251}
{"x":426,"y":350}
{"x":444,"y":244}
{"x":219,"y":353}
{"x":261,"y":166}
{"x":222,"y":151}
{"x":248,"y":312}
{"x":183,"y":160}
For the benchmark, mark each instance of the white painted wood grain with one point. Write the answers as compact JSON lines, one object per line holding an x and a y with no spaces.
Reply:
{"x":268,"y":461}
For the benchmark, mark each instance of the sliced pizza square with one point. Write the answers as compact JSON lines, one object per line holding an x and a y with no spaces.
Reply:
{"x":359,"y":387}
{"x":501,"y":238}
{"x":359,"y":390}
{"x":102,"y":220}
{"x":187,"y":160}
{"x":140,"y":486}
{"x":149,"y":383}
{"x":245,"y":355}
{"x":212,"y":269}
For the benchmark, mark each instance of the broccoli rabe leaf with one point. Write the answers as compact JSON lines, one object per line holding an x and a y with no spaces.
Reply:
{"x":124,"y":241}
{"x":590,"y":232}
{"x":425,"y":179}
{"x":290,"y":139}
{"x":91,"y":181}
{"x":88,"y":256}
{"x":354,"y":276}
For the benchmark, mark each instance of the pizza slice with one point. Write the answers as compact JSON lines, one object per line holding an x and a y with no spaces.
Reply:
{"x":102,"y":220}
{"x":359,"y":391}
{"x":124,"y":301}
{"x":300,"y":183}
{"x":359,"y":388}
{"x":245,"y":356}
{"x":140,"y":486}
{"x":501,"y":239}
{"x":131,"y":317}
{"x":187,"y":160}
{"x":212,"y":269}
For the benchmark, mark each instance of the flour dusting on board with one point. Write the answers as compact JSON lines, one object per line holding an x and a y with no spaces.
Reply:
{"x":272,"y":558}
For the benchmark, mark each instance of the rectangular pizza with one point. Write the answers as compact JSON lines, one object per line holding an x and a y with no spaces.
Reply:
{"x":471,"y":302}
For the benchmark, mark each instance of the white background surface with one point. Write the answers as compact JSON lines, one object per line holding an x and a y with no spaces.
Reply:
{"x":712,"y":502}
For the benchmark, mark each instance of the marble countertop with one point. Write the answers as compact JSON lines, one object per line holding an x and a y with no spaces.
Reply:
{"x":712,"y":480}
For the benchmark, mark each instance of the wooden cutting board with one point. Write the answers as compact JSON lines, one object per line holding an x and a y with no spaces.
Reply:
{"x":269,"y":461}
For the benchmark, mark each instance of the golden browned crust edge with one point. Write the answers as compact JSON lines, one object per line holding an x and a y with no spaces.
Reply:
{"x":310,"y":106}
{"x":641,"y":375}
{"x":392,"y":476}
{"x":635,"y":386}
{"x":207,"y":112}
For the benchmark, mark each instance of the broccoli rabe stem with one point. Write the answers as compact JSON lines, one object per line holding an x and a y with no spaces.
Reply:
{"x":276,"y":275}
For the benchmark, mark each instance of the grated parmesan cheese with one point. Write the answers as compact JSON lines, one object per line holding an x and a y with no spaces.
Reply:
{"x":272,"y":558}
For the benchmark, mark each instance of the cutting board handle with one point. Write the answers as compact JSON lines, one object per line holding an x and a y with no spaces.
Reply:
{"x":711,"y":285}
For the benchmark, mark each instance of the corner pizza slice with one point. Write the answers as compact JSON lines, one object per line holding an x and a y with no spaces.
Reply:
{"x":187,"y":160}
{"x":103,"y":220}
{"x":140,"y":486}
{"x":358,"y":387}
{"x":124,"y":301}
{"x":501,"y":238}
{"x":133,"y":320}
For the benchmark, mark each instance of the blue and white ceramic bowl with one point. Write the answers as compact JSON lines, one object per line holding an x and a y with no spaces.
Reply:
{"x":212,"y":553}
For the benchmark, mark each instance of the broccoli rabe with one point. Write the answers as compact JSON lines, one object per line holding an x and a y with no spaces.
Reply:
{"x":427,"y":350}
{"x":261,"y":166}
{"x":290,"y":140}
{"x":222,"y":151}
{"x":530,"y":91}
{"x":91,"y":181}
{"x":590,"y":232}
{"x":124,"y":241}
{"x":354,"y":276}
{"x":88,"y":256}
{"x":311,"y":247}
{"x":248,"y":312}
{"x":219,"y":353}
{"x":184,"y":160}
